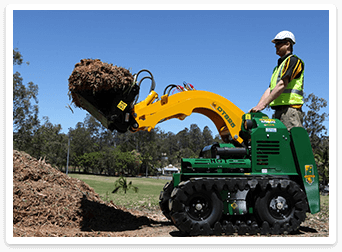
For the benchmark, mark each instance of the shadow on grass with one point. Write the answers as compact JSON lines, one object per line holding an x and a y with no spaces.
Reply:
{"x":100,"y":217}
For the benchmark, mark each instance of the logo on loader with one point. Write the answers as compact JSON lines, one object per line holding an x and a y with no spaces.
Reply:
{"x":309,"y":174}
{"x":122,"y":105}
{"x":224,"y":114}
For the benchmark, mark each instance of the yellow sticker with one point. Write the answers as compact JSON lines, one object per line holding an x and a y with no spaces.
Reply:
{"x":122,"y":105}
{"x":309,"y":174}
{"x":234,"y":205}
{"x":248,"y":117}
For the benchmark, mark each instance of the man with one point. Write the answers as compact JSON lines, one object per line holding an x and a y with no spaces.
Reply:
{"x":285,"y":93}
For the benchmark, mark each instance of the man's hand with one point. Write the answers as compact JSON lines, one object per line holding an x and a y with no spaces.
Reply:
{"x":262,"y":103}
{"x":257,"y":108}
{"x":268,"y":97}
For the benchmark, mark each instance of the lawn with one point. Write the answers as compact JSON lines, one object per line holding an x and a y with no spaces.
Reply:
{"x":147,"y":196}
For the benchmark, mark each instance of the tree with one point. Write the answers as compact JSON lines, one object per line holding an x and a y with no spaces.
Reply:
{"x":314,"y":119}
{"x":121,"y":183}
{"x":25,"y":113}
{"x":207,"y":136}
{"x":322,"y":161}
{"x":183,"y":139}
{"x":314,"y":124}
{"x":81,"y":143}
{"x":196,"y":138}
{"x":186,"y":153}
{"x":49,"y":142}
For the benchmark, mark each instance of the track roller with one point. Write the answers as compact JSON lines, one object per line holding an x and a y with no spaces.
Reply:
{"x":196,"y":206}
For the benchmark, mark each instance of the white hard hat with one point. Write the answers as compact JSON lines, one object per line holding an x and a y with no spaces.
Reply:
{"x":285,"y":35}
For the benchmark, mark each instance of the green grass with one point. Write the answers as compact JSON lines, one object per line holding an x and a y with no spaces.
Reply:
{"x":147,"y":196}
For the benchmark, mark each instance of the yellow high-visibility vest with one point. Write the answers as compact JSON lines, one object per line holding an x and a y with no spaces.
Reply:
{"x":293,"y":94}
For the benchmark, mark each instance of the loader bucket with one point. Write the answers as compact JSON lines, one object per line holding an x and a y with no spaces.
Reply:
{"x":107,"y":92}
{"x":112,"y":109}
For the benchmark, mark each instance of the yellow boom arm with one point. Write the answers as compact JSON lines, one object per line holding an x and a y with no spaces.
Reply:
{"x":225,"y":115}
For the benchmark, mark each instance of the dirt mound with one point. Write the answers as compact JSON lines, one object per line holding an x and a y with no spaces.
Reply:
{"x":95,"y":76}
{"x":45,"y":199}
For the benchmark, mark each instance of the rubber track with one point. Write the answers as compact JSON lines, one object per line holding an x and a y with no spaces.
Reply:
{"x":249,"y":227}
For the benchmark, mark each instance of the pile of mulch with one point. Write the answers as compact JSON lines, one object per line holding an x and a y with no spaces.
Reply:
{"x":95,"y":77}
{"x":47,"y":202}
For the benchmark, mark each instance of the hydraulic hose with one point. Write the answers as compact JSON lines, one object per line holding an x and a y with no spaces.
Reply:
{"x":171,"y":86}
{"x":153,"y":83}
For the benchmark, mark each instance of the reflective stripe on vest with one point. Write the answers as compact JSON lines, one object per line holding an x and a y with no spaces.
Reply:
{"x":293,"y":94}
{"x":295,"y":91}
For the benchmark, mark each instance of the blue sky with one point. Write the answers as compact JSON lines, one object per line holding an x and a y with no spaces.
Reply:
{"x":228,"y":52}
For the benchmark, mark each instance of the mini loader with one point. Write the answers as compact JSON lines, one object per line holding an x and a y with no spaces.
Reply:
{"x":262,"y":179}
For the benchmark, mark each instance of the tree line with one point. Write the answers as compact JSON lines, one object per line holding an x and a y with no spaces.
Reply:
{"x":94,"y":149}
